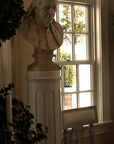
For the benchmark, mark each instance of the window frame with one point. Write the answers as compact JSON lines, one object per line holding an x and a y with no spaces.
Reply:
{"x":91,"y":58}
{"x":101,"y":67}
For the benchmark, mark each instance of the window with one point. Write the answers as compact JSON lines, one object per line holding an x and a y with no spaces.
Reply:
{"x":76,"y":55}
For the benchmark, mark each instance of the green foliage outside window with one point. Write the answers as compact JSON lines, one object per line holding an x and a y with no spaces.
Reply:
{"x":79,"y":25}
{"x":69,"y":75}
{"x":69,"y":71}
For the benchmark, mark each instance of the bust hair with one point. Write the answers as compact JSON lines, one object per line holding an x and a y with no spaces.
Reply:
{"x":38,"y":2}
{"x":35,"y":4}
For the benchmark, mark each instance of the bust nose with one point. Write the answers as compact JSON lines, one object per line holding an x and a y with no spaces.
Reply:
{"x":51,"y":11}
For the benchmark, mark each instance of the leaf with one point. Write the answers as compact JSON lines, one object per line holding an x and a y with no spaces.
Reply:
{"x":21,"y":104}
{"x":15,"y":101}
{"x":28,"y":106}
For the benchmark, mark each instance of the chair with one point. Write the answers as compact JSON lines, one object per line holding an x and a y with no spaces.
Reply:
{"x":76,"y":119}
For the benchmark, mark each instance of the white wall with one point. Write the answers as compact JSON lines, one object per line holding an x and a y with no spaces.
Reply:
{"x":21,"y":58}
{"x":5,"y":64}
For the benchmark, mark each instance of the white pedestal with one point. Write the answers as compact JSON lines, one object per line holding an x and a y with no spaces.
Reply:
{"x":43,"y":95}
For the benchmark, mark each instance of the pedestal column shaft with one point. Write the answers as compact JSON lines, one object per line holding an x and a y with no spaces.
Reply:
{"x":43,"y":95}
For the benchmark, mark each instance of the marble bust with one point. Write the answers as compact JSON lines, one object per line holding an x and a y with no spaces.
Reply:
{"x":40,"y":29}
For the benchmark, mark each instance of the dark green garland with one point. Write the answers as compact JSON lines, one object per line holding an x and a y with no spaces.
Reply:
{"x":22,"y":122}
{"x":11,"y":12}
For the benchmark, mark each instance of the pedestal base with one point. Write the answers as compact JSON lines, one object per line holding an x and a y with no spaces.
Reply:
{"x":43,"y":88}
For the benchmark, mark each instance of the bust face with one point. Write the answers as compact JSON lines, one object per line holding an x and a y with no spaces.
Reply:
{"x":45,"y":12}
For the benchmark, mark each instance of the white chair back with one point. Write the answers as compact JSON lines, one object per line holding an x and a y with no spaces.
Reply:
{"x":80,"y":116}
{"x":76,"y":118}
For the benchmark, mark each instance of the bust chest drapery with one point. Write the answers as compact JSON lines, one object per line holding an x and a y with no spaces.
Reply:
{"x":41,"y":38}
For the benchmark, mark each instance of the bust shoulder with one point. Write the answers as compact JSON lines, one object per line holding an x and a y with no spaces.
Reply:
{"x":57,"y":32}
{"x":28,"y":30}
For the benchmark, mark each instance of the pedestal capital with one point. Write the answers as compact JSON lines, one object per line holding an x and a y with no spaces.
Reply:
{"x":43,"y":75}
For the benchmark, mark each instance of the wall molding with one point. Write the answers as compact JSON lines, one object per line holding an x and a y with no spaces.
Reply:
{"x":102,"y":61}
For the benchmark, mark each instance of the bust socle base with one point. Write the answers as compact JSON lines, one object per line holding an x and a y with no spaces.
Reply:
{"x":43,"y":61}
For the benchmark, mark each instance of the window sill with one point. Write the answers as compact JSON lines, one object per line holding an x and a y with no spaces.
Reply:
{"x":98,"y":128}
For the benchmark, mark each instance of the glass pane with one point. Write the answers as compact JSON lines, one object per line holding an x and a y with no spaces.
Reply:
{"x":80,"y":19}
{"x":55,"y":55}
{"x":84,"y":99}
{"x":66,"y":48}
{"x":61,"y":82}
{"x":69,"y":78}
{"x":55,"y":17}
{"x":81,"y":42}
{"x":65,"y":17}
{"x":84,"y":77}
{"x":70,"y":101}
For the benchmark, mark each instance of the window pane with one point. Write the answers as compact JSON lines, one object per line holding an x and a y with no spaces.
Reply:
{"x":55,"y":55}
{"x":81,"y":42}
{"x":66,"y":48}
{"x":84,"y":99}
{"x":80,"y":19}
{"x":69,"y":78}
{"x":84,"y":77}
{"x":65,"y":17}
{"x":70,"y":101}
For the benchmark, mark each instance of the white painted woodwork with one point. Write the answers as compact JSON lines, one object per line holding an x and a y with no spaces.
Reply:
{"x":43,"y":95}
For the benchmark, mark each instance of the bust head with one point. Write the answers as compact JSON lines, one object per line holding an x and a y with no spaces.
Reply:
{"x":44,"y":11}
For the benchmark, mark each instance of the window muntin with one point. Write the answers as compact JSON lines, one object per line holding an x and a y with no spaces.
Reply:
{"x":74,"y":56}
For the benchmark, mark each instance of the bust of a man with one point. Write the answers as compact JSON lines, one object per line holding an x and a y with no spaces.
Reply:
{"x":41,"y":30}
